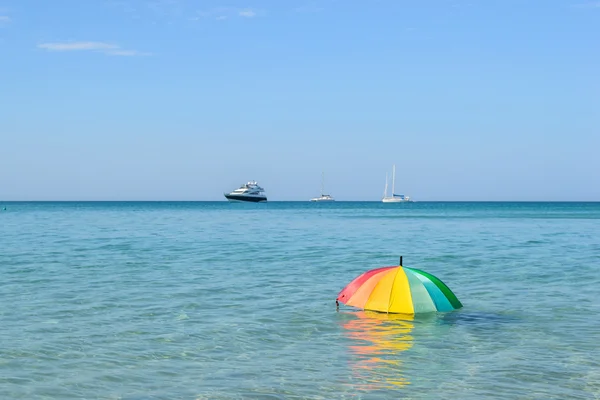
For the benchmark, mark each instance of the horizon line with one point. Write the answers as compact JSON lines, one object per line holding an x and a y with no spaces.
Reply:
{"x":296,"y":201}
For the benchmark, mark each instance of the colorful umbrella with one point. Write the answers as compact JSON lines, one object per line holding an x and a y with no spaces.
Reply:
{"x":399,"y":289}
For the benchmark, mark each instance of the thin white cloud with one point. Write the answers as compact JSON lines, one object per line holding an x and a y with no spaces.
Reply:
{"x":247,"y":13}
{"x":106,"y":48}
{"x":221,"y":13}
{"x":75,"y":46}
{"x":4,"y":19}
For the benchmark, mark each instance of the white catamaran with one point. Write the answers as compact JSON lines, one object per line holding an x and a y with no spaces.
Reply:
{"x":324,"y":197}
{"x":394,"y":198}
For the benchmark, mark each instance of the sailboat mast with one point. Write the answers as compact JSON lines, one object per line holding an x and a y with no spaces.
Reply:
{"x":386,"y":185}
{"x":394,"y":180}
{"x":322,"y":183}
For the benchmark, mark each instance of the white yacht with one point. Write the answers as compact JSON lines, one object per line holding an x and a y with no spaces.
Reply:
{"x":249,"y":192}
{"x":394,"y":198}
{"x":323,"y":197}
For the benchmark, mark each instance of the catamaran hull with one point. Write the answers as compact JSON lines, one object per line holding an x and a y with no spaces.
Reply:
{"x":387,"y":200}
{"x":245,"y":199}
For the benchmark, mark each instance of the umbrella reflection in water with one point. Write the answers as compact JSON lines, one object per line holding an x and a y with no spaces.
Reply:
{"x":377,"y":343}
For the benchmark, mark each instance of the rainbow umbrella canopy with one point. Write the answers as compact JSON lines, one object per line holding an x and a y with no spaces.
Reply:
{"x":399,"y":289}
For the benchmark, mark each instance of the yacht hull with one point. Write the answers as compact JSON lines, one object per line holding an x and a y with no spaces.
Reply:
{"x":395,"y":200}
{"x":245,"y":199}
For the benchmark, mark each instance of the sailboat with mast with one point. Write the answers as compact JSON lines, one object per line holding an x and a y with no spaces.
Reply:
{"x":323,"y":197}
{"x":394,"y":198}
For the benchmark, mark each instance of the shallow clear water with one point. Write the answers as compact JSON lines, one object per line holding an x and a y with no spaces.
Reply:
{"x":225,"y":301}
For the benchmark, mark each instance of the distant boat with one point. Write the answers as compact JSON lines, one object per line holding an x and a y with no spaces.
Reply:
{"x":323,"y":197}
{"x":394,"y":198}
{"x":248,"y":192}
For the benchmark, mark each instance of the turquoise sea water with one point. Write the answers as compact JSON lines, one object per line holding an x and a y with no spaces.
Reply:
{"x":227,"y":301}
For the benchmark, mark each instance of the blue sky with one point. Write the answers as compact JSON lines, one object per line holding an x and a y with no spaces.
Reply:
{"x":184,"y":99}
